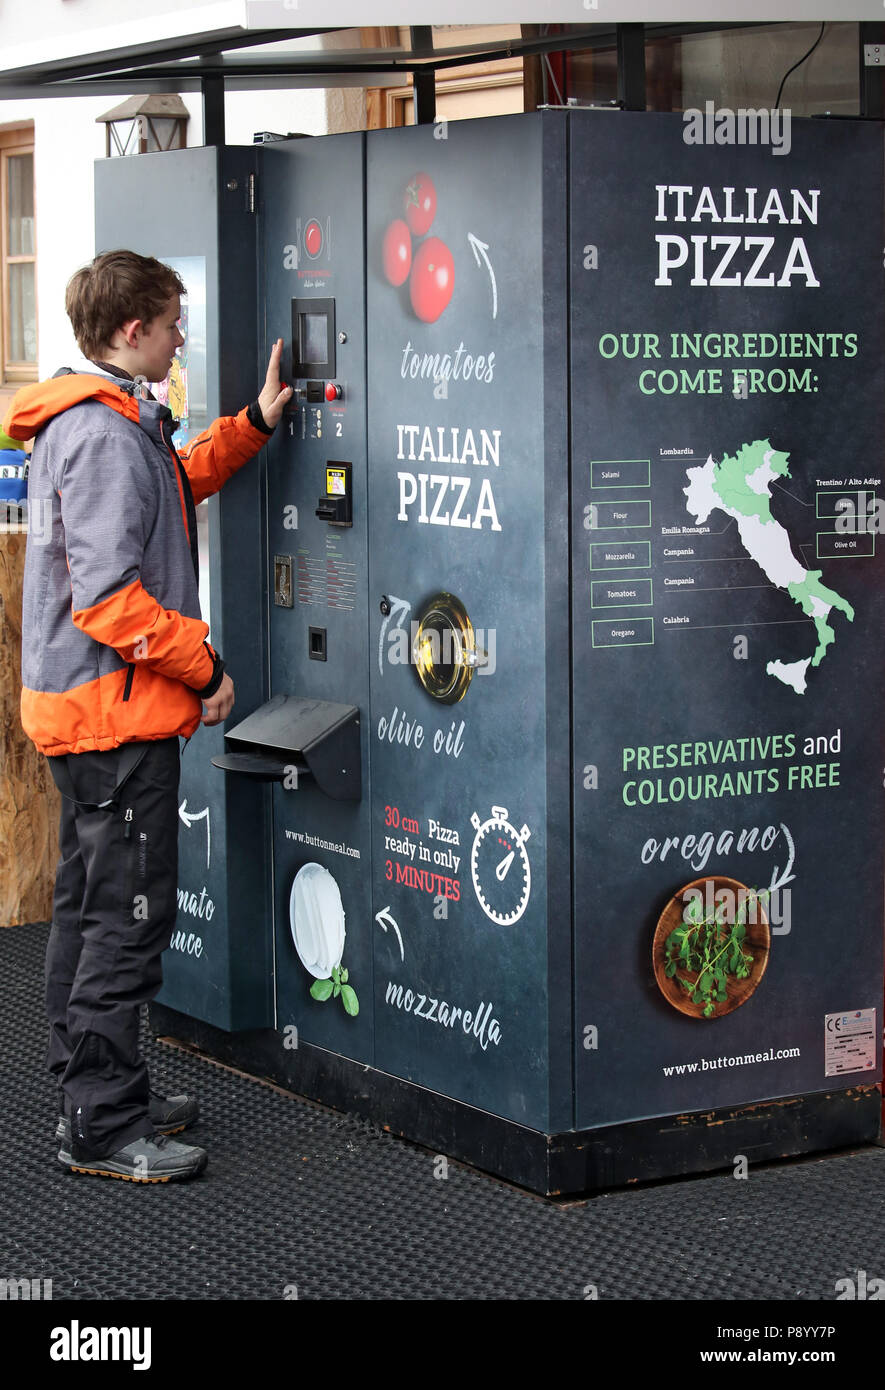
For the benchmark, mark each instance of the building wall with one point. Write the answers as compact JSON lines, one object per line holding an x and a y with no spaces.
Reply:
{"x":67,"y":142}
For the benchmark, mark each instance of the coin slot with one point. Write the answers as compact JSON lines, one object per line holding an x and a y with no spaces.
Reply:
{"x":317,"y":643}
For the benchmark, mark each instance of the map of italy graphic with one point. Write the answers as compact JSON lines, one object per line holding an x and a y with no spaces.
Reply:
{"x":740,"y":487}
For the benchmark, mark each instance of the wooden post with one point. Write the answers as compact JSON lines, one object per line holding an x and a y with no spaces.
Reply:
{"x":29,"y":801}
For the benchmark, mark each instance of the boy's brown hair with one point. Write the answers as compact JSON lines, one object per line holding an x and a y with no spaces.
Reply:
{"x":114,"y":288}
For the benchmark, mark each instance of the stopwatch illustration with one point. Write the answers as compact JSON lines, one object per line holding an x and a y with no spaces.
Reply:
{"x":500,"y":868}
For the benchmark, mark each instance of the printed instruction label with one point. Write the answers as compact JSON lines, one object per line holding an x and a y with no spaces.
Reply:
{"x":850,"y":1041}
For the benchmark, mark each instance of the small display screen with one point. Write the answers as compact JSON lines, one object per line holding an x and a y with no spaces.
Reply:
{"x":314,"y":338}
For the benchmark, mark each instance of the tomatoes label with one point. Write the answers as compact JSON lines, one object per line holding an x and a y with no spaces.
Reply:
{"x":419,"y":203}
{"x":397,"y":252}
{"x":432,"y":279}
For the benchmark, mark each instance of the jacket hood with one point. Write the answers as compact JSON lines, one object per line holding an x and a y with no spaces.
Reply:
{"x":34,"y":406}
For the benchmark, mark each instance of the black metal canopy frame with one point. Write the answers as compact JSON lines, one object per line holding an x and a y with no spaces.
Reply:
{"x":212,"y":63}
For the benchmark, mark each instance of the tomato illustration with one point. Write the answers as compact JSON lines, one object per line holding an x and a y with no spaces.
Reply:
{"x":313,"y":238}
{"x":419,"y":202}
{"x":397,"y":252}
{"x":432,"y":279}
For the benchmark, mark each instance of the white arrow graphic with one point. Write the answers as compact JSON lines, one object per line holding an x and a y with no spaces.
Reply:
{"x":383,"y":918}
{"x":479,"y":249}
{"x":787,"y":877}
{"x":399,"y":608}
{"x":190,"y":816}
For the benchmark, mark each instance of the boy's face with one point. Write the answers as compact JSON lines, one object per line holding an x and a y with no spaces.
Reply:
{"x":158,"y":340}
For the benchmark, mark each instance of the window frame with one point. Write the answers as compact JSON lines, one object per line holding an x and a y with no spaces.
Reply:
{"x":16,"y":140}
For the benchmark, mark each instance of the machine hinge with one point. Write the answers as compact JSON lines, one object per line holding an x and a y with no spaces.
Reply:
{"x":252,"y":194}
{"x":874,"y":55}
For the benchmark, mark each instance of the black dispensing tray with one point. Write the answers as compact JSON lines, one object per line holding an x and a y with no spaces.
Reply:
{"x":317,"y":738}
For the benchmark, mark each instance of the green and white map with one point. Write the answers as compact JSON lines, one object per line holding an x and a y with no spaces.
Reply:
{"x":740,"y":487}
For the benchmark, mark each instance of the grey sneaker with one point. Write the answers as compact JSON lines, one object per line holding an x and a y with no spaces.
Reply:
{"x":171,"y":1114}
{"x":167,"y":1114}
{"x":154,"y":1158}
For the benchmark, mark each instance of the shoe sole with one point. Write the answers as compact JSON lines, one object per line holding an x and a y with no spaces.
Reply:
{"x":72,"y":1167}
{"x":106,"y":1173}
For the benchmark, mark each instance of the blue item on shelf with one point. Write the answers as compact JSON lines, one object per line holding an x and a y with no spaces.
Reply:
{"x":13,"y":488}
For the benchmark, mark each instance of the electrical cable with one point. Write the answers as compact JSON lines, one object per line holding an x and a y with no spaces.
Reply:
{"x":799,"y":64}
{"x":553,"y":80}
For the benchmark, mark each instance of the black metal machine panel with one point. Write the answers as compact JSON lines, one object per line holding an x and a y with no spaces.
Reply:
{"x":194,"y":209}
{"x":312,"y":200}
{"x":728,"y":410}
{"x":460,"y":484}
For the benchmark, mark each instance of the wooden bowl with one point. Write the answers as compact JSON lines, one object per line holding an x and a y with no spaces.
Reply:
{"x":757,"y":940}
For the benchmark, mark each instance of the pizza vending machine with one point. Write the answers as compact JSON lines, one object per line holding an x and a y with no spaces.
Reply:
{"x":557,"y":594}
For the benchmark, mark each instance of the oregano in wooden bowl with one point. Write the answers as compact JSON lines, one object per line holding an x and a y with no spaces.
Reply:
{"x":711,"y":946}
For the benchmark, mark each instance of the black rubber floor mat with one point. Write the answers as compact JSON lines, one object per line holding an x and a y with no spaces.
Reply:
{"x":299,"y":1199}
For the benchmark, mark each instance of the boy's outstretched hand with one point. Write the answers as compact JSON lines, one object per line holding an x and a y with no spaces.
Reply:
{"x":274,"y":396}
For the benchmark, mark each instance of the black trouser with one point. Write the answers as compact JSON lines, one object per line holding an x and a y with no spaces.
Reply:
{"x":113,"y":915}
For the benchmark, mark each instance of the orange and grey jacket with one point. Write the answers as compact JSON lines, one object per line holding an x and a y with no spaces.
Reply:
{"x":113,"y":646}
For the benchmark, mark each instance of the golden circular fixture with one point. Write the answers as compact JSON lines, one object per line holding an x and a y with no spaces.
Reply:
{"x":444,"y":649}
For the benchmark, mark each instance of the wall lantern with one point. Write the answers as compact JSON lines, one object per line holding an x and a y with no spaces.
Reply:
{"x":140,"y":125}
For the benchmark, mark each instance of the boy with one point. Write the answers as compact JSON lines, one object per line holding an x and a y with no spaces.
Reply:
{"x":115,"y":668}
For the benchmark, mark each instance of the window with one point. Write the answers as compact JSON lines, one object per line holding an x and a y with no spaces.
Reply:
{"x":18,"y":257}
{"x":492,"y":88}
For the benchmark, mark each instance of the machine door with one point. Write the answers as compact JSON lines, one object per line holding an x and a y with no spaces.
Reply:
{"x":459,"y":712}
{"x":312,"y":197}
{"x":218,"y":967}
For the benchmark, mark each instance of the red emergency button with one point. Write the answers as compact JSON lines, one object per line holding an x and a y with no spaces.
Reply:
{"x":333,"y":391}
